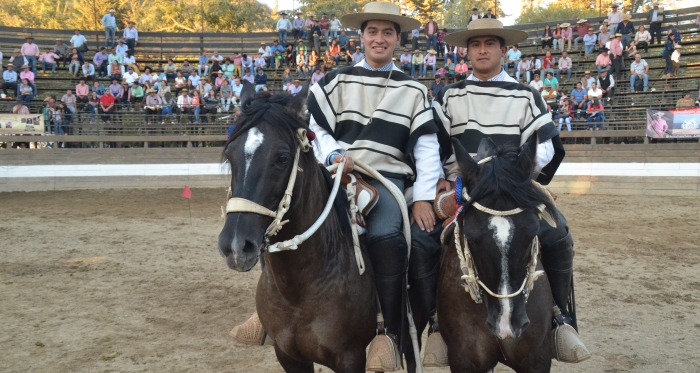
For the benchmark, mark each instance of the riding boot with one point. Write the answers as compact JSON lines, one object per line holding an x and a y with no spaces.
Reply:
{"x":251,"y":332}
{"x":424,"y":289}
{"x":558,"y":260}
{"x":389,"y":264}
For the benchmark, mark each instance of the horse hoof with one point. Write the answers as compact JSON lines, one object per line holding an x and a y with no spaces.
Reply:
{"x":250,"y":332}
{"x":435,"y":351}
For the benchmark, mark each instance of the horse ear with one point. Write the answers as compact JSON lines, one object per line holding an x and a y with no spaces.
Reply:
{"x":528,"y":156}
{"x":247,"y":92}
{"x":487,"y":148}
{"x":467,"y":164}
{"x":297,"y":103}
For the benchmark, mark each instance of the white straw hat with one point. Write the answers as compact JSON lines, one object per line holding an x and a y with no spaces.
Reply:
{"x":485,"y":27}
{"x":380,"y":11}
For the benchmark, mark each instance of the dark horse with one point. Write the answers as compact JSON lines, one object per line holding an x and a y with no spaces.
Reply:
{"x":515,"y":331}
{"x":312,"y":300}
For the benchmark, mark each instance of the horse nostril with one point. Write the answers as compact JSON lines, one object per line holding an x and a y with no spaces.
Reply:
{"x":249,"y":248}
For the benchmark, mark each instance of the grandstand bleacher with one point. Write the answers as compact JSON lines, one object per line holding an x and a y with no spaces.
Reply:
{"x":626,"y":115}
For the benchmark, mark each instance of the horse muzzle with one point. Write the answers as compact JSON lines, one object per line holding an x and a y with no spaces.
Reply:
{"x":507,"y":318}
{"x":239,"y":245}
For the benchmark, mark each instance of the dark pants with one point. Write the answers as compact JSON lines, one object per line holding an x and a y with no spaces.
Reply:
{"x":101,"y":70}
{"x":609,"y":94}
{"x":617,"y":67}
{"x":105,"y":114}
{"x":151,"y":115}
{"x":81,"y":101}
{"x":388,"y":251}
{"x":669,"y":64}
{"x":13,"y":86}
{"x":643,"y":45}
{"x":65,"y":58}
{"x":130,"y":43}
{"x":655,"y":31}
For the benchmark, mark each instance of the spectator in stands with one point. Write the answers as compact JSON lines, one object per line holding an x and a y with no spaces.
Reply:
{"x":429,"y":61}
{"x":298,"y":27}
{"x":153,"y":106}
{"x":565,"y":114}
{"x":283,"y":26}
{"x":405,"y":61}
{"x":63,"y":52}
{"x":606,"y":83}
{"x":547,"y":38}
{"x":279,"y":60}
{"x":436,"y":86}
{"x":136,"y":93}
{"x":93,"y":106}
{"x":26,"y":92}
{"x":48,"y":60}
{"x":335,"y":26}
{"x":219,"y":81}
{"x":551,"y":81}
{"x":210,"y":106}
{"x":26,"y":74}
{"x":295,"y":88}
{"x":107,"y":107}
{"x":249,"y":77}
{"x":489,"y":14}
{"x":556,"y":37}
{"x":417,"y":63}
{"x":130,"y":77}
{"x":596,"y":117}
{"x":655,"y":18}
{"x":431,"y":29}
{"x":567,"y":35}
{"x":547,"y":64}
{"x":587,"y":80}
{"x":9,"y":80}
{"x":70,"y":101}
{"x":116,"y":90}
{"x":603,"y":61}
{"x":549,"y":94}
{"x":302,"y":64}
{"x":195,"y":79}
{"x":642,"y":38}
{"x":202,"y":65}
{"x":186,"y":69}
{"x":130,"y":62}
{"x":309,"y":26}
{"x":287,"y":79}
{"x":565,"y":66}
{"x":358,"y":56}
{"x":513,"y":57}
{"x":121,"y":48}
{"x":461,"y":52}
{"x":316,"y":36}
{"x":236,"y":89}
{"x":578,"y":99}
{"x":344,"y":41}
{"x":582,"y":27}
{"x":74,"y":67}
{"x":115,"y":57}
{"x":82,"y":94}
{"x":228,"y":69}
{"x":325,"y":25}
{"x":461,"y":70}
{"x":226,"y":95}
{"x":604,"y":38}
{"x":441,"y":44}
{"x":474,"y":16}
{"x":289,"y":56}
{"x":260,"y":62}
{"x":167,"y":109}
{"x":589,"y":42}
{"x":98,"y":88}
{"x":88,"y":71}
{"x":450,"y":71}
{"x":523,"y":67}
{"x":109,"y":22}
{"x":677,"y":35}
{"x":260,"y":80}
{"x":317,"y":75}
{"x":685,"y":102}
{"x":30,"y":51}
{"x":265,"y":52}
{"x":594,"y":92}
{"x":334,"y":51}
{"x":676,"y":60}
{"x":535,"y":66}
{"x":639,"y":71}
{"x":536,"y":83}
{"x":101,"y":61}
{"x":246,"y":63}
{"x":614,"y":18}
{"x":79,"y":42}
{"x":131,"y":36}
{"x":669,"y":48}
{"x":626,"y":29}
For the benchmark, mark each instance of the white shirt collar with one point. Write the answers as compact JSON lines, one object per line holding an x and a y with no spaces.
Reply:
{"x":502,"y":77}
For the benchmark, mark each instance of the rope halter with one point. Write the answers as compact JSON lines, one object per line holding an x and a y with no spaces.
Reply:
{"x":470,"y":276}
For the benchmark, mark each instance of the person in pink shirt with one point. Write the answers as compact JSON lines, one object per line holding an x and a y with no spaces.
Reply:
{"x":582,"y":27}
{"x":219,"y":81}
{"x":317,"y":75}
{"x":567,"y":34}
{"x":48,"y":59}
{"x":603,"y":61}
{"x":82,"y":92}
{"x":26,"y":74}
{"x":616,"y":55}
{"x":237,"y":60}
{"x":30,"y":51}
{"x":461,"y":70}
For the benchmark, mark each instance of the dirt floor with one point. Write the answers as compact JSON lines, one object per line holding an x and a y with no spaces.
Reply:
{"x":118,"y":281}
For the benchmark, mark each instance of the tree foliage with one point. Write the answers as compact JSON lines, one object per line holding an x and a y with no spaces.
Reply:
{"x":556,"y":11}
{"x":457,"y":12}
{"x":337,"y":7}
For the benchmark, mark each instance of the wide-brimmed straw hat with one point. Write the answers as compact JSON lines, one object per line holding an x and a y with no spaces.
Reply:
{"x":485,"y":27}
{"x":626,"y":17}
{"x":618,"y":34}
{"x":432,"y":51}
{"x":150,"y":90}
{"x":380,"y":11}
{"x":563,"y":25}
{"x":582,"y":21}
{"x":677,"y":46}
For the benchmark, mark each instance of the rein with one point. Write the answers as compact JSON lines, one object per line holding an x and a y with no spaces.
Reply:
{"x":470,"y":276}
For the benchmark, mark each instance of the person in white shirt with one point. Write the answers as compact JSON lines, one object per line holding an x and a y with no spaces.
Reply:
{"x":195,"y":79}
{"x":642,"y":37}
{"x":587,"y":80}
{"x":216,"y":57}
{"x":131,"y":35}
{"x":335,"y":27}
{"x":523,"y":67}
{"x":78,"y":41}
{"x":184,"y":106}
{"x":592,"y":93}
{"x":130,"y":77}
{"x":614,"y":17}
{"x":121,"y":48}
{"x":536,"y":83}
{"x":283,"y":26}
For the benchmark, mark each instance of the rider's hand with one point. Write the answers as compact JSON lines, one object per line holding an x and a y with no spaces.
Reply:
{"x":443,"y":186}
{"x":349,"y":163}
{"x":423,"y":215}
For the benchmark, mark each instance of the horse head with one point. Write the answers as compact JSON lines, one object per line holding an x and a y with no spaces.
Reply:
{"x":261,"y":153}
{"x":500,"y":239}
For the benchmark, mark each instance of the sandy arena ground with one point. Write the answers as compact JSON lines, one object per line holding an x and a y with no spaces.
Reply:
{"x":118,"y":281}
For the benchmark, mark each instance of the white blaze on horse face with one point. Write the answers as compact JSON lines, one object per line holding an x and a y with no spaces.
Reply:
{"x":502,"y":228}
{"x":252,"y":143}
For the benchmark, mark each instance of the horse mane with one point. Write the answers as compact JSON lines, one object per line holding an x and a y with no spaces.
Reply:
{"x":502,"y":177}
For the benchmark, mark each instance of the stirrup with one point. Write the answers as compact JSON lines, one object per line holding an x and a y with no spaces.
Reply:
{"x":566,"y":344}
{"x":383,"y":355}
{"x":435,"y":351}
{"x":251,"y":332}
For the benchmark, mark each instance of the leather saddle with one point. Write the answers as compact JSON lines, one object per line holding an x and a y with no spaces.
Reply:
{"x":366,"y":196}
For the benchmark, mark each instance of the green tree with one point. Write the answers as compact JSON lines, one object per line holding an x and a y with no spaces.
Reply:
{"x":556,"y":11}
{"x":456,"y":12}
{"x":337,"y":7}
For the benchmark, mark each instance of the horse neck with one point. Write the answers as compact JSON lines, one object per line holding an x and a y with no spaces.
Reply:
{"x":314,"y":259}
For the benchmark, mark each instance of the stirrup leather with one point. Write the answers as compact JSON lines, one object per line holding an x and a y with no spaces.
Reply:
{"x":251,"y":332}
{"x":566,"y":344}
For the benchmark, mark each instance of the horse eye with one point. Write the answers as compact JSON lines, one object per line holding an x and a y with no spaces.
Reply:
{"x":282,"y":159}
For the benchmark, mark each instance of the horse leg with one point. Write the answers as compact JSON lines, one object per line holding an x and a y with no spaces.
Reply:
{"x":352,"y":362}
{"x":291,"y":365}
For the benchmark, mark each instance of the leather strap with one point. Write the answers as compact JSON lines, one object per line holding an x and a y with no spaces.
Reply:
{"x":244,"y":205}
